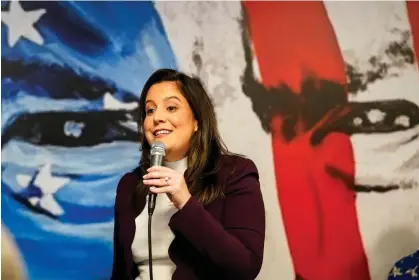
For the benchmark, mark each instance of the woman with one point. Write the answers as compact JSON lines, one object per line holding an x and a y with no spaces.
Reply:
{"x":209,"y":220}
{"x":13,"y":267}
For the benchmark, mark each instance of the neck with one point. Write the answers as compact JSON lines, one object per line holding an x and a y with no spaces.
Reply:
{"x":175,"y":155}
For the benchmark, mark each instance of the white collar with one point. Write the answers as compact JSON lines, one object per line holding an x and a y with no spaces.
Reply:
{"x":179,"y":165}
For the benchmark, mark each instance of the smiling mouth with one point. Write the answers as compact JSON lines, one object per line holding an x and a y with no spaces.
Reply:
{"x":162,"y":132}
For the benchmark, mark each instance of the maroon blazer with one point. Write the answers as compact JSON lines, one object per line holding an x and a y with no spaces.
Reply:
{"x":221,"y":240}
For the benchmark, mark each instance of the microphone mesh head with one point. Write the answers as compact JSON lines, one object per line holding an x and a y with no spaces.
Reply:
{"x":158,"y":148}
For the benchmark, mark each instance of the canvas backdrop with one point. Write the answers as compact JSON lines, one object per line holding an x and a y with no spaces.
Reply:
{"x":323,"y":97}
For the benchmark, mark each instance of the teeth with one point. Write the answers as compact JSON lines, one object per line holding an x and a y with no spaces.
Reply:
{"x":162,"y":132}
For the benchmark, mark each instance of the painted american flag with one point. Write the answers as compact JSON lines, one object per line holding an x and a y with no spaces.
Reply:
{"x":323,"y":96}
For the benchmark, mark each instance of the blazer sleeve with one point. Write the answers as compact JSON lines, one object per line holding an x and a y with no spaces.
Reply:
{"x":237,"y":246}
{"x":122,"y":260}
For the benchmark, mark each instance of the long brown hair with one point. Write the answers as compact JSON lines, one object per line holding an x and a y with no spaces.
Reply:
{"x":206,"y":146}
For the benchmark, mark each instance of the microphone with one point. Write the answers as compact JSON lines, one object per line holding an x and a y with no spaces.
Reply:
{"x":158,"y":152}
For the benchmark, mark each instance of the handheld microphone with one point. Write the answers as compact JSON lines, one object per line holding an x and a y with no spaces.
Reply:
{"x":157,"y":154}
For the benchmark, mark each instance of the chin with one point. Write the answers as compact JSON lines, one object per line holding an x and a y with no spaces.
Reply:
{"x":164,"y":141}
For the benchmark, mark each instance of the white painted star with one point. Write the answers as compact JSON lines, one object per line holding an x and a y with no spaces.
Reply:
{"x":49,"y":185}
{"x":21,"y":23}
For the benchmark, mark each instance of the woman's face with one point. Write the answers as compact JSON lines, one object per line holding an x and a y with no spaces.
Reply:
{"x":169,"y":119}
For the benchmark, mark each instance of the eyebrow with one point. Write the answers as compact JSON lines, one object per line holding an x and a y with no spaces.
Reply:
{"x":167,"y":98}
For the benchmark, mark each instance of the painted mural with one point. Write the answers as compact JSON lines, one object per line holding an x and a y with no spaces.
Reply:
{"x":326,"y":104}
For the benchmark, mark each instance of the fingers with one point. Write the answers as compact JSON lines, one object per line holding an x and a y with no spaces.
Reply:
{"x":161,"y":189}
{"x":161,"y":179}
{"x":160,"y":169}
{"x":158,"y":174}
{"x":161,"y":182}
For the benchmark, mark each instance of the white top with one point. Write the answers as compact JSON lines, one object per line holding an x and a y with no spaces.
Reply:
{"x":162,"y":236}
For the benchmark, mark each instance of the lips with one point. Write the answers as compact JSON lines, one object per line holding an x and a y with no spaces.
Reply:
{"x":161,"y":132}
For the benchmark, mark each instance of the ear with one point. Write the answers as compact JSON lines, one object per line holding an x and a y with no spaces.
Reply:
{"x":196,"y":126}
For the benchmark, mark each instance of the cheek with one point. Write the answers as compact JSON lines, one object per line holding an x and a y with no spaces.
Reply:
{"x":183,"y":125}
{"x":147,"y":130}
{"x":147,"y":125}
{"x":182,"y":120}
{"x":176,"y":121}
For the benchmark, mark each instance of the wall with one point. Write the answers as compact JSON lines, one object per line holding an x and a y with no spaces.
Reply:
{"x":322,"y":96}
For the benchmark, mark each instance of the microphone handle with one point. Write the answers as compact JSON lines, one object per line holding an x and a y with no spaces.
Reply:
{"x":156,"y":160}
{"x":151,"y":203}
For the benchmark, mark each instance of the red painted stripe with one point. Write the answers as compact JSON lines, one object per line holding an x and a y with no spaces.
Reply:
{"x":292,"y":40}
{"x":413,"y":13}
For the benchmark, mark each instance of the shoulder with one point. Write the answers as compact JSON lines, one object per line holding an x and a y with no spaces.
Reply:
{"x":126,"y":194}
{"x":126,"y":188}
{"x":235,"y":169}
{"x":10,"y":256}
{"x":127,"y":183}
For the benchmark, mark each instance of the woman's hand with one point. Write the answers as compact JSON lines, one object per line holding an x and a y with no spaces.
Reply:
{"x":162,"y":179}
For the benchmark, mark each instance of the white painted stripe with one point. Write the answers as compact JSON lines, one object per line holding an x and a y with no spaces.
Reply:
{"x":206,"y":39}
{"x":389,"y":222}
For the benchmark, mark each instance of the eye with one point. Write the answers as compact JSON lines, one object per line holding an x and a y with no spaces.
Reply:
{"x":149,"y":111}
{"x":171,"y":109}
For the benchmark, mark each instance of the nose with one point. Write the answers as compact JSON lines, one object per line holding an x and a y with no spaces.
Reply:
{"x":159,"y":116}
